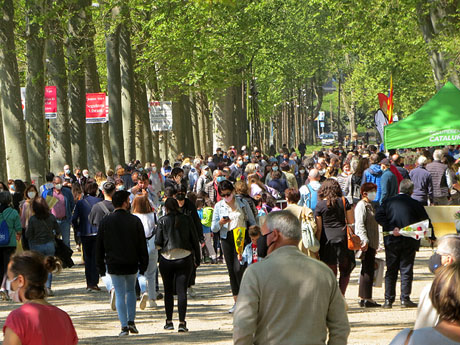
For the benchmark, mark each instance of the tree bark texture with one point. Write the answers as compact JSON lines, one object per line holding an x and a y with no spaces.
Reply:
{"x":77,"y":89}
{"x":195,"y":126}
{"x":93,"y":130}
{"x":114,"y":91}
{"x":3,"y":172}
{"x":37,"y":149}
{"x":60,"y":147}
{"x":127,"y":93}
{"x":14,"y":129}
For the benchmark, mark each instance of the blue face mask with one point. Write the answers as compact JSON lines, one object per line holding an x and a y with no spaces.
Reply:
{"x":220,"y":179}
{"x":275,"y":168}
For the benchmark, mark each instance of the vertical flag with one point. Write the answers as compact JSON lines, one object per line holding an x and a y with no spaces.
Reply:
{"x":390,"y":102}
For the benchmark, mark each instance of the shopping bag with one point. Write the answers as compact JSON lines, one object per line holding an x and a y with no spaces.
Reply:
{"x":378,"y":272}
{"x":238,"y":235}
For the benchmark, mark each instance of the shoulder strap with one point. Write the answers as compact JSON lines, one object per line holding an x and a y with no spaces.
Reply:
{"x":345,"y":210}
{"x":408,"y":337}
{"x":104,"y":208}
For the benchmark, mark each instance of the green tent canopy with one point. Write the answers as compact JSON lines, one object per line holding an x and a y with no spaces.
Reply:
{"x":436,"y":123}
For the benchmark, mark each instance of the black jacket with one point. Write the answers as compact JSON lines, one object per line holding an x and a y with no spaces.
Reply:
{"x":183,"y":236}
{"x":189,"y":209}
{"x":121,"y":244}
{"x":400,"y":211}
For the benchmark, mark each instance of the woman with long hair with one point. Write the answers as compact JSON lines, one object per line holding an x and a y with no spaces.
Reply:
{"x":36,"y":321}
{"x":354,"y":187}
{"x":41,"y":231}
{"x":366,"y":228}
{"x":179,"y":252}
{"x":331,"y":218}
{"x":143,"y":210}
{"x":30,"y":194}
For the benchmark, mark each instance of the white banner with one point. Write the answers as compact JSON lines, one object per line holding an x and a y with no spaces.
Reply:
{"x":160,"y":115}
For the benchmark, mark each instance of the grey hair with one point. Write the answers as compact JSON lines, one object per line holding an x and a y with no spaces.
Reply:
{"x":5,"y":198}
{"x":286,"y":223}
{"x":422,"y":161}
{"x":437,"y":155}
{"x":450,"y":245}
{"x":406,"y":186}
{"x":215,"y":172}
{"x":314,"y":173}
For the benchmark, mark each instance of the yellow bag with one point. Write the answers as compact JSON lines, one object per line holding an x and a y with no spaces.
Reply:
{"x":238,"y":235}
{"x":19,"y":248}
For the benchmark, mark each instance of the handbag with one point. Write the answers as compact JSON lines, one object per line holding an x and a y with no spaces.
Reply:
{"x":64,"y":253}
{"x":308,"y":231}
{"x":354,"y":242}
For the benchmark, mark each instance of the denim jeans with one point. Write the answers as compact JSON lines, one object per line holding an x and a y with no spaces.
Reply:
{"x":147,"y":282}
{"x":64,"y":225}
{"x":125,"y":292}
{"x":46,"y":249}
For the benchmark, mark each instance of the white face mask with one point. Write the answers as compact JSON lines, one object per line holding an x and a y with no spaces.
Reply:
{"x":58,"y":186}
{"x":14,"y":295}
{"x":31,"y":195}
{"x":154,"y":169}
{"x":372,"y":195}
{"x":86,"y":175}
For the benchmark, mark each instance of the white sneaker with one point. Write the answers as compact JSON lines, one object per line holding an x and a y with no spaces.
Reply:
{"x":232,"y":309}
{"x":191,"y":292}
{"x":152,"y":303}
{"x":112,"y":300}
{"x":144,"y":299}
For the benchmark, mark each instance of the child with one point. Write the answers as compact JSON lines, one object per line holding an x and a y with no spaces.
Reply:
{"x":250,"y":251}
{"x":205,"y":211}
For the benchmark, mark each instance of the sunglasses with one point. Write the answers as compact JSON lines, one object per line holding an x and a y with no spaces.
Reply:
{"x":225,"y":195}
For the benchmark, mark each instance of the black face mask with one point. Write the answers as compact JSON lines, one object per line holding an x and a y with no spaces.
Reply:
{"x":180,"y":197}
{"x":434,"y":262}
{"x":262,"y":246}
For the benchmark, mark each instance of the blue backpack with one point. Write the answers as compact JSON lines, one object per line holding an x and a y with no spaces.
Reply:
{"x":4,"y":231}
{"x":312,"y":198}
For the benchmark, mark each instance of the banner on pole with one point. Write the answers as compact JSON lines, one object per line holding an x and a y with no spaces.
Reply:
{"x":96,"y":108}
{"x":50,"y":102}
{"x":160,"y":115}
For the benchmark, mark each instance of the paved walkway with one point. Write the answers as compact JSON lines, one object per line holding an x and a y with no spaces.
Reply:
{"x":207,"y":316}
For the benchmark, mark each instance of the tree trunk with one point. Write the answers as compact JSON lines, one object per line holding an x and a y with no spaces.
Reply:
{"x":174,"y":138}
{"x":108,"y":158}
{"x":35,"y":92}
{"x":14,"y":129}
{"x":127,"y":93}
{"x":186,"y":144}
{"x":143,"y":110}
{"x":114,"y":91}
{"x":218,"y":123}
{"x":195,"y":125}
{"x":3,"y":174}
{"x":77,"y":94}
{"x":60,"y":147}
{"x":93,"y":130}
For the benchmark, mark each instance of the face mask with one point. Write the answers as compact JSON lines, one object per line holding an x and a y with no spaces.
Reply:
{"x":372,"y":195}
{"x":208,"y":174}
{"x":31,"y":195}
{"x":240,"y":163}
{"x":14,"y":295}
{"x":322,"y":172}
{"x":262,"y":246}
{"x":220,"y":179}
{"x":246,"y":157}
{"x":228,"y":198}
{"x":13,"y":188}
{"x":121,"y":187}
{"x":302,"y":171}
{"x":154,"y":169}
{"x":58,"y":186}
{"x":86,"y":175}
{"x":434,"y":262}
{"x":67,"y":172}
{"x":275,"y":168}
{"x":180,"y":197}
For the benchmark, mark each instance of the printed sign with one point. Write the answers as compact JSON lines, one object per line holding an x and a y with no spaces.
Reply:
{"x":321,"y":115}
{"x":50,"y":102}
{"x":160,"y":115}
{"x":96,"y":108}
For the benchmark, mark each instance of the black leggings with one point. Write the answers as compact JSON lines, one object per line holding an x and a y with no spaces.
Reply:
{"x":366,"y":278}
{"x":235,"y":270}
{"x":176,"y":274}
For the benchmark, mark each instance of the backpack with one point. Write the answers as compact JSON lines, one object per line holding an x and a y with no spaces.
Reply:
{"x":356,"y":187}
{"x":4,"y":231}
{"x":308,"y":226}
{"x":207,"y":216}
{"x":312,"y":198}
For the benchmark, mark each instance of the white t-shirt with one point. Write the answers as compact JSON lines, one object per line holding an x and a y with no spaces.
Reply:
{"x":422,"y":336}
{"x":149,"y":221}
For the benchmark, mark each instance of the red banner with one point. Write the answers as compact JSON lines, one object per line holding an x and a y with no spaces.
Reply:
{"x":96,"y":109}
{"x":50,"y":102}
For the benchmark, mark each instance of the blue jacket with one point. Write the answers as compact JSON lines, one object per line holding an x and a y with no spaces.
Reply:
{"x":80,"y":220}
{"x":373,"y":174}
{"x":389,"y":185}
{"x":69,"y":201}
{"x":247,"y":255}
{"x":220,"y":210}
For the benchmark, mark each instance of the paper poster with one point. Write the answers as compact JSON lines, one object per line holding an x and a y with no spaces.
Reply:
{"x":160,"y":115}
{"x":50,"y":102}
{"x":96,"y":108}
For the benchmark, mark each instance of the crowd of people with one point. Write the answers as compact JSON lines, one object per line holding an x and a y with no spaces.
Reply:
{"x":287,"y":210}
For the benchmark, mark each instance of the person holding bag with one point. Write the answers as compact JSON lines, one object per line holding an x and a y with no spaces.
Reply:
{"x":332,"y":219}
{"x":366,"y":228}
